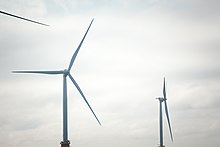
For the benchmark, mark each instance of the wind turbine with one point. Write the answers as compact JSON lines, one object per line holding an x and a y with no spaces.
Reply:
{"x":9,"y":14}
{"x":161,"y":100}
{"x":66,"y":73}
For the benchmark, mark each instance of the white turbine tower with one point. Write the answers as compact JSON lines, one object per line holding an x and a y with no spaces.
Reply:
{"x":164,"y":99}
{"x":66,"y":73}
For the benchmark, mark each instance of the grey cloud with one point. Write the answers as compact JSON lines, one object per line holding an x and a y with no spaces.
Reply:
{"x":120,"y":68}
{"x":24,"y":7}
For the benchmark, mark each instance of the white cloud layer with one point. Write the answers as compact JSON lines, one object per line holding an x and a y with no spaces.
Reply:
{"x":131,"y":46}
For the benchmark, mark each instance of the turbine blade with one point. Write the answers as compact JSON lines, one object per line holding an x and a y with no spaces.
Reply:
{"x":166,"y":108}
{"x":23,"y":18}
{"x":80,"y":91}
{"x":168,"y":120}
{"x":77,"y":50}
{"x":40,"y":72}
{"x":164,"y":89}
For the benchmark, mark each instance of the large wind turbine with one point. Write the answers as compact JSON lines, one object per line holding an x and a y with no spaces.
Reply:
{"x":161,"y":100}
{"x":66,"y":73}
{"x":16,"y":16}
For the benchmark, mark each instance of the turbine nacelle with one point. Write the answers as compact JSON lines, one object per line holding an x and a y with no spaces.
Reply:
{"x":160,"y":99}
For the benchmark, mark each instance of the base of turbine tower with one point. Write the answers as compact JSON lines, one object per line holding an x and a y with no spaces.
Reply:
{"x":161,"y":146}
{"x":65,"y":143}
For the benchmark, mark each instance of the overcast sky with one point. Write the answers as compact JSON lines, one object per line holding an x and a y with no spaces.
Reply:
{"x":130,"y":47}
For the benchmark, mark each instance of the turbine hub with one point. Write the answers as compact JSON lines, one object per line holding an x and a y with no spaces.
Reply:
{"x":66,"y":72}
{"x":160,"y":99}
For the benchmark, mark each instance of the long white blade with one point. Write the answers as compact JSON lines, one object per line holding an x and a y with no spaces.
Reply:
{"x":40,"y":72}
{"x":164,"y":89}
{"x":23,"y":18}
{"x":80,"y":91}
{"x":168,"y":120}
{"x":166,"y":108}
{"x":77,"y":50}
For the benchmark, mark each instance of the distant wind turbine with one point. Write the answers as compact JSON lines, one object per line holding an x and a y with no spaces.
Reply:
{"x":9,"y":14}
{"x":164,"y":99}
{"x":65,"y":73}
